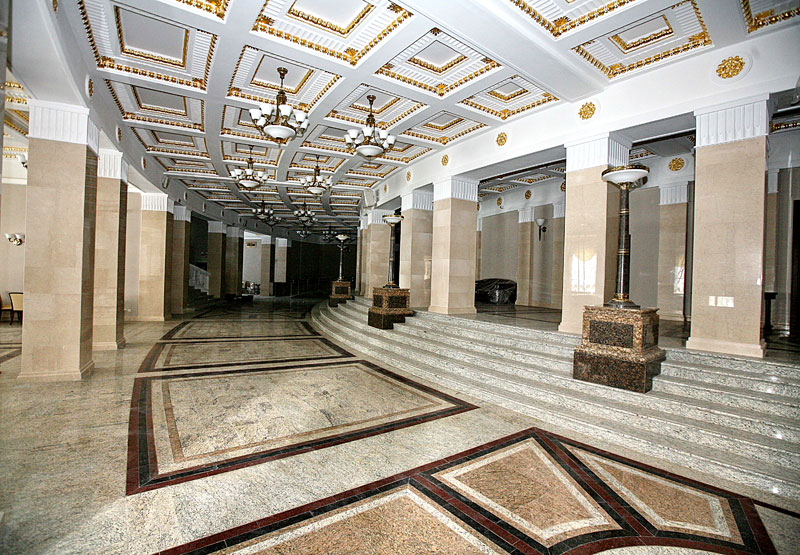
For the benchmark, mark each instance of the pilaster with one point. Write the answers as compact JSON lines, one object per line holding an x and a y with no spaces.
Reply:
{"x":416,"y":240}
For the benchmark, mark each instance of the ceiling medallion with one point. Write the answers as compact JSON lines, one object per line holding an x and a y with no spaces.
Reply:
{"x":55,"y":6}
{"x":385,"y":187}
{"x":445,"y":160}
{"x":563,"y":186}
{"x":408,"y":175}
{"x":248,"y":178}
{"x":528,"y":194}
{"x":501,"y":139}
{"x":676,"y":164}
{"x":500,"y":201}
{"x":478,"y":206}
{"x":369,"y":141}
{"x":587,"y":110}
{"x":730,"y":67}
{"x":317,"y":184}
{"x":282,"y":121}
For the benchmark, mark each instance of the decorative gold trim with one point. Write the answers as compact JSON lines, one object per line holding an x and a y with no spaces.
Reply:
{"x":564,"y":186}
{"x":437,"y":69}
{"x":644,"y":41}
{"x":505,"y":114}
{"x":408,"y":175}
{"x":382,"y":124}
{"x":528,"y":194}
{"x":159,"y":109}
{"x":327,"y":25}
{"x":509,"y":97}
{"x":90,"y":88}
{"x":445,"y":159}
{"x":235,"y":92}
{"x":150,"y":57}
{"x":16,"y":128}
{"x":447,"y":125}
{"x":216,"y":7}
{"x":441,"y":89}
{"x":560,"y":26}
{"x":264,"y":24}
{"x":442,"y":140}
{"x":676,"y":164}
{"x":274,"y":87}
{"x":380,"y":110}
{"x":784,"y":126}
{"x":730,"y":67}
{"x":501,"y":139}
{"x":695,"y":41}
{"x":499,"y":201}
{"x":587,"y":110}
{"x":759,"y":20}
{"x":55,"y":6}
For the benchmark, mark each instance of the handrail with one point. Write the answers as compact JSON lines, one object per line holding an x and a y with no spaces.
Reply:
{"x":198,"y":278}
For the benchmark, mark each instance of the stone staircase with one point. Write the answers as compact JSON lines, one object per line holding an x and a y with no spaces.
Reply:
{"x":735,"y":418}
{"x":198,"y":300}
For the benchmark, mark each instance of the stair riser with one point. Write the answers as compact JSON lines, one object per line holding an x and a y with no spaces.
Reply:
{"x":565,"y":381}
{"x":758,"y":405}
{"x":756,"y":366}
{"x":406,"y":360}
{"x":778,"y":388}
{"x":636,"y":444}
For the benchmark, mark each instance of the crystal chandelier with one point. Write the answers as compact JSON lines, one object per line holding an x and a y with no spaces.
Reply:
{"x":306,"y":216}
{"x":369,"y":141}
{"x":317,"y":184}
{"x":248,"y":178}
{"x":282,"y":121}
{"x":303,"y":233}
{"x":262,"y":212}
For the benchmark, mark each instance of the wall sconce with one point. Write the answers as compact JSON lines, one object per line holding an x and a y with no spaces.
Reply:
{"x":23,"y":160}
{"x":15,"y":238}
{"x":542,"y":228}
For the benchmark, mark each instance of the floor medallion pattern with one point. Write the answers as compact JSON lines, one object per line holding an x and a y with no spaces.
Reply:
{"x":531,"y":492}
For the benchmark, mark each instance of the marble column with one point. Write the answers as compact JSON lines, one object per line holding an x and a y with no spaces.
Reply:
{"x":416,"y":240}
{"x":364,"y":263}
{"x":590,"y":226}
{"x":525,"y":244}
{"x":478,"y":249}
{"x":672,"y":250}
{"x":454,"y":249}
{"x":155,"y":258}
{"x":542,"y":257}
{"x":281,"y":256}
{"x":110,"y":251}
{"x":217,"y":240}
{"x":788,"y":183}
{"x":60,"y":212}
{"x":727,"y":287}
{"x":181,"y":232}
{"x":234,"y":248}
{"x":359,"y":248}
{"x":378,"y":261}
{"x":266,"y":273}
{"x":556,"y":230}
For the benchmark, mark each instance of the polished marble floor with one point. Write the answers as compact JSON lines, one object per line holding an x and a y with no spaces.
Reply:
{"x":242,"y":430}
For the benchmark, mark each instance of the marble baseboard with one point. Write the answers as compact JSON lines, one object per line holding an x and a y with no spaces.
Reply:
{"x":726,"y":347}
{"x":61,"y":376}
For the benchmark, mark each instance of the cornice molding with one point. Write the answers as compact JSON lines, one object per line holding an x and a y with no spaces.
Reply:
{"x":526,"y":215}
{"x":235,"y":232}
{"x":734,"y":121}
{"x":375,"y":216}
{"x":673,"y":194}
{"x":66,"y":123}
{"x":281,"y":242}
{"x":266,"y":240}
{"x":559,"y":209}
{"x":457,"y":188}
{"x":217,"y":227}
{"x":601,"y":150}
{"x":363,"y":221}
{"x":109,"y":164}
{"x":182,"y":214}
{"x":155,"y":202}
{"x":417,"y":200}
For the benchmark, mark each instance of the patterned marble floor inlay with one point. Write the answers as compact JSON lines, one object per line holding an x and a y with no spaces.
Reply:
{"x":195,"y":329}
{"x":531,"y":492}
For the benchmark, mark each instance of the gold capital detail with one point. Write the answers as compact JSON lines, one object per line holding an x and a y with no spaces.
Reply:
{"x":730,"y":67}
{"x":676,"y":164}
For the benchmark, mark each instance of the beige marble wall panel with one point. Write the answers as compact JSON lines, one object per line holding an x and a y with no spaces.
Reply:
{"x":453,"y":257}
{"x":589,"y":245}
{"x":266,"y":275}
{"x":499,"y":245}
{"x":524,"y":262}
{"x":378,"y":265}
{"x":365,"y":248}
{"x":216,"y":264}
{"x":359,"y":247}
{"x":416,"y":241}
{"x":109,"y":264}
{"x":556,"y":229}
{"x":671,"y":260}
{"x":59,"y":261}
{"x":644,"y":226}
{"x":542,"y":258}
{"x":280,"y":263}
{"x":12,"y":220}
{"x":155,"y":266}
{"x":133,"y":237}
{"x":477,"y":254}
{"x":729,"y":247}
{"x":788,"y":188}
{"x":179,"y":284}
{"x":233,"y":265}
{"x":770,"y":240}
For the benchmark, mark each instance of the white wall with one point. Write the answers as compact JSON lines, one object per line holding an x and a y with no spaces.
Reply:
{"x":12,"y":220}
{"x":251,"y":267}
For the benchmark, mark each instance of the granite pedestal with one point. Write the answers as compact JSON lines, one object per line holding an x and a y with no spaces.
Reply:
{"x":340,"y":293}
{"x":389,"y":305}
{"x":619,"y":348}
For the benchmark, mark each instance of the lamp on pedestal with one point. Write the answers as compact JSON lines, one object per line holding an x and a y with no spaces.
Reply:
{"x":390,"y":303}
{"x":392,"y":220}
{"x":340,"y":289}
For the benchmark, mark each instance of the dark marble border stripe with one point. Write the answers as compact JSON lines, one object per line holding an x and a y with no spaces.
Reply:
{"x":170,"y":335}
{"x":8,"y":356}
{"x":143,"y":474}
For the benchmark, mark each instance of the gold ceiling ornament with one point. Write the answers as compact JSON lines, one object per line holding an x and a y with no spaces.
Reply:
{"x":119,"y":134}
{"x":587,"y":110}
{"x":767,"y":17}
{"x":408,"y":175}
{"x":505,"y":114}
{"x":730,"y":67}
{"x":385,"y":188}
{"x":445,"y":160}
{"x":676,"y":164}
{"x":144,"y":163}
{"x":55,"y":6}
{"x":477,"y":206}
{"x":561,"y":25}
{"x":528,"y":194}
{"x":90,"y":87}
{"x":216,"y":7}
{"x":501,"y":139}
{"x":499,"y":201}
{"x":564,"y":186}
{"x":644,"y":41}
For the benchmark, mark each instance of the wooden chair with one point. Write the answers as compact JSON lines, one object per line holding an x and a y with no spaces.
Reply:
{"x":5,"y":307}
{"x":16,"y":305}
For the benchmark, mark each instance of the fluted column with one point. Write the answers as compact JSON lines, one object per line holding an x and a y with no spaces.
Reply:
{"x":155,"y":258}
{"x":60,"y":215}
{"x":233,"y":260}
{"x":266,"y":273}
{"x":590,"y":226}
{"x":416,"y":242}
{"x":181,"y":232}
{"x":454,"y":249}
{"x":729,"y":198}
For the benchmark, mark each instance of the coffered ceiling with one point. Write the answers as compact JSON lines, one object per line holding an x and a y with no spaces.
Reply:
{"x":183,"y":73}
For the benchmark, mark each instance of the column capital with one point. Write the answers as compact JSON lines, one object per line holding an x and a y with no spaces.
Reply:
{"x":111,"y":164}
{"x":526,"y":215}
{"x":363,"y":221}
{"x":746,"y":118}
{"x":155,"y":202}
{"x":417,"y":200}
{"x":182,"y":213}
{"x":559,"y":208}
{"x":235,"y":232}
{"x":460,"y":188}
{"x":67,"y":123}
{"x":266,"y":240}
{"x":375,"y":216}
{"x":600,"y":150}
{"x":675,"y":193}
{"x":281,"y":242}
{"x":217,"y":227}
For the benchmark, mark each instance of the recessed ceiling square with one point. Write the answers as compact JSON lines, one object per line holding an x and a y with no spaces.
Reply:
{"x":140,"y":34}
{"x":437,"y":54}
{"x":340,"y":16}
{"x":266,"y":75}
{"x":382,"y":101}
{"x":157,"y":101}
{"x":173,"y":138}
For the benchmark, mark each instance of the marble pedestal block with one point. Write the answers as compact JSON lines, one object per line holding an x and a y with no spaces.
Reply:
{"x":340,"y":293}
{"x":388,"y":306}
{"x":619,"y":348}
